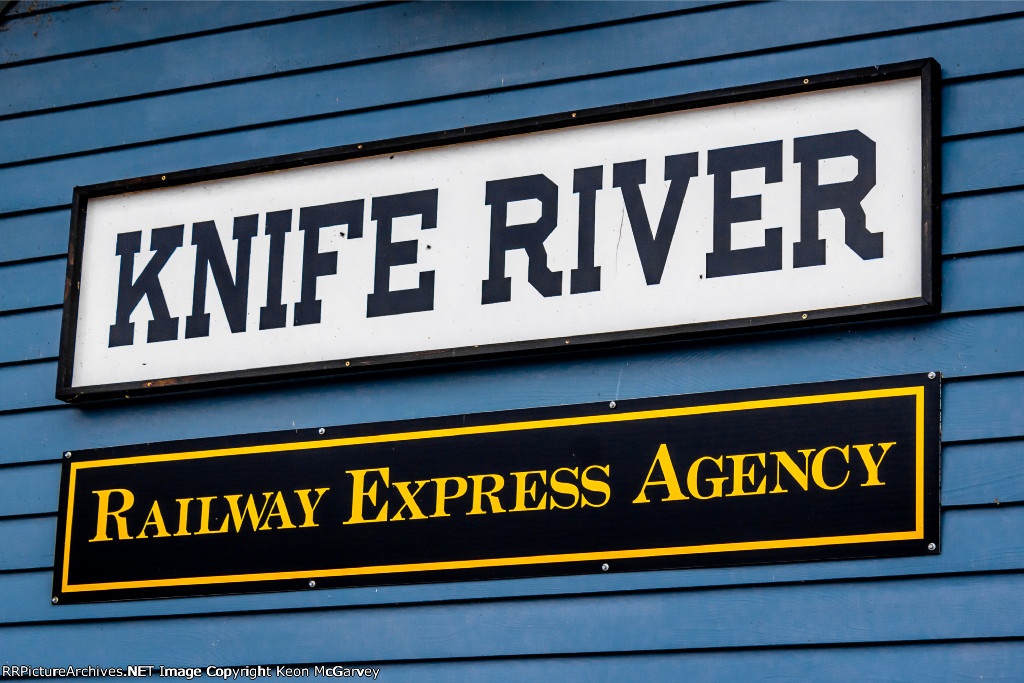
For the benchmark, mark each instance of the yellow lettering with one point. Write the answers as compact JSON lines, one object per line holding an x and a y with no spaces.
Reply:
{"x":239,"y":516}
{"x":596,"y":485}
{"x":716,"y":482}
{"x":817,"y":469}
{"x":521,"y":491}
{"x":309,"y":508}
{"x":279,"y":510}
{"x":359,"y":492}
{"x":409,"y":498}
{"x":204,"y":517}
{"x":102,"y":521}
{"x":799,"y":475}
{"x":183,"y":516}
{"x":565,"y":488}
{"x":461,"y":485}
{"x":668,"y":478}
{"x":154,"y":518}
{"x":479,"y":492}
{"x":738,"y":475}
{"x":871,"y":464}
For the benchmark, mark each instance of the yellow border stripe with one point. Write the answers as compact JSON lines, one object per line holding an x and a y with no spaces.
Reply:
{"x":916,"y":391}
{"x":502,"y":561}
{"x":507,"y":427}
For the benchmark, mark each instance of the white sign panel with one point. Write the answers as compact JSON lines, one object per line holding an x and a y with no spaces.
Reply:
{"x":758,"y":208}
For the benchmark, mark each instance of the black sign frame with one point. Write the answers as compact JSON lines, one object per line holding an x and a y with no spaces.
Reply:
{"x":927,"y":69}
{"x":830,"y":517}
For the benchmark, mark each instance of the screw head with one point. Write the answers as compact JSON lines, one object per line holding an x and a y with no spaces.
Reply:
{"x":312,"y":583}
{"x":931,"y":375}
{"x":67,"y":454}
{"x":54,"y":599}
{"x":604,"y":567}
{"x":612,"y":404}
{"x":932,"y":546}
{"x":322,"y":430}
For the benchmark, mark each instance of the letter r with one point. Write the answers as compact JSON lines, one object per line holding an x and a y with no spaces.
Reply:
{"x":104,"y":513}
{"x":526,"y":236}
{"x":846,"y":196}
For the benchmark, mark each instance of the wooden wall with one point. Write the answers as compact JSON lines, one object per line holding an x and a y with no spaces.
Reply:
{"x":98,"y":92}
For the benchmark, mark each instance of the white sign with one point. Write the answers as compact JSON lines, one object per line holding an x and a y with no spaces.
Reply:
{"x":784,"y":208}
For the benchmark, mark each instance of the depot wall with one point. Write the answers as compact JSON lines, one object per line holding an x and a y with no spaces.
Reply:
{"x":96,"y":93}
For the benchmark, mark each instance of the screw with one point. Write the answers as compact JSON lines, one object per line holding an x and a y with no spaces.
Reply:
{"x":612,"y":404}
{"x":806,"y":81}
{"x":54,"y":599}
{"x":604,"y":567}
{"x":803,"y":317}
{"x":312,"y":583}
{"x":931,"y":375}
{"x":322,"y":430}
{"x":932,"y":546}
{"x":67,"y":454}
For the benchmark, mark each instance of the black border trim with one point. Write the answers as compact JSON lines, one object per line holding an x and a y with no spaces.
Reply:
{"x":927,"y":69}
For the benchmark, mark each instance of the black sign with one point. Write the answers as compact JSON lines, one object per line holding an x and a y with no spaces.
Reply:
{"x":834,"y":470}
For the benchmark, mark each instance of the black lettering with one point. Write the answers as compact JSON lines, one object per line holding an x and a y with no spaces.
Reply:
{"x":316,"y":264}
{"x":129,"y":294}
{"x":847,"y":196}
{"x":586,"y":277}
{"x":629,"y":176}
{"x":275,"y":314}
{"x":724,"y":260}
{"x":527,"y":236}
{"x":234,"y":294}
{"x":383,"y":300}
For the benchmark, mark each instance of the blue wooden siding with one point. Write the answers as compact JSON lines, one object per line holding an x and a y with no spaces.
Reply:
{"x":96,"y":92}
